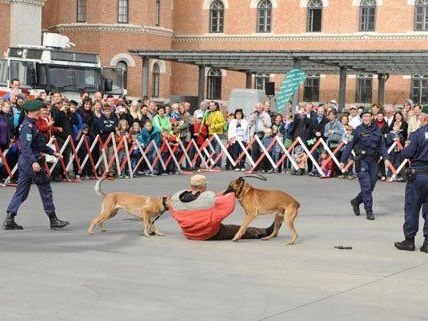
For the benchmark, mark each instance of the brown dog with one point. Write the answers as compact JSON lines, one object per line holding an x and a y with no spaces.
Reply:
{"x":143,"y":207}
{"x":258,"y":201}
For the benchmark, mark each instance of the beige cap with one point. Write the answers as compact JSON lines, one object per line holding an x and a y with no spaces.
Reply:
{"x":198,"y":180}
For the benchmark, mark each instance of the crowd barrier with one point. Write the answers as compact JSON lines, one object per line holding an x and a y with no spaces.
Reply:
{"x":109,"y":155}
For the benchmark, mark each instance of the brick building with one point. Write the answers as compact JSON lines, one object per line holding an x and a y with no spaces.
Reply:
{"x":111,"y":28}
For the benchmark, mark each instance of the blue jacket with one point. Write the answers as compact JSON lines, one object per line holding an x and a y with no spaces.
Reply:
{"x":369,"y":139}
{"x":32,"y":141}
{"x":417,"y":150}
{"x":145,"y":137}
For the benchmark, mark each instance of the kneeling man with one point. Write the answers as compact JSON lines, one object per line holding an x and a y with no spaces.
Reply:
{"x":206,"y":224}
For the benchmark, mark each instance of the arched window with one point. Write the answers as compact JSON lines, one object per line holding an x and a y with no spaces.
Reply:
{"x":314,"y":16}
{"x":421,"y":15}
{"x":367,"y":15}
{"x":122,"y":11}
{"x":156,"y":80}
{"x":157,"y":13}
{"x":124,"y":66}
{"x":81,"y":11}
{"x":264,"y":16}
{"x":216,"y":17}
{"x":214,"y":84}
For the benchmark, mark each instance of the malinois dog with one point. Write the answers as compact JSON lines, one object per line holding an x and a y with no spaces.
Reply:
{"x":142,"y":207}
{"x":259,"y":202}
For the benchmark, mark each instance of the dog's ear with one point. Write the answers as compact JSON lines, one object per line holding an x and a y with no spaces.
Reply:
{"x":241,"y":179}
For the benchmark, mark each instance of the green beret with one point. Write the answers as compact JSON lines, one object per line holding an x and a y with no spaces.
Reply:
{"x":425,"y":109}
{"x":366,"y":111}
{"x":33,"y":105}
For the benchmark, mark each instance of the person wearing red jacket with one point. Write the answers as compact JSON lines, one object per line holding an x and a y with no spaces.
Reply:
{"x":45,"y":123}
{"x":200,"y":213}
{"x":171,"y":140}
{"x":199,"y":132}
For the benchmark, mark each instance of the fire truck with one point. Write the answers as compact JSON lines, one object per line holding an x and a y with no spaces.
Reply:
{"x":52,"y":67}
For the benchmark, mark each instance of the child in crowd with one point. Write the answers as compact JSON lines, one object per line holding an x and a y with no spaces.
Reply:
{"x":134,"y":153}
{"x":136,"y":128}
{"x":122,"y":138}
{"x":276,"y":149}
{"x":298,"y":156}
{"x":266,"y":166}
{"x":347,"y":137}
{"x":199,"y":135}
{"x":326,"y":164}
{"x":171,"y":140}
{"x":87,"y":169}
{"x":230,"y":117}
{"x":395,"y":135}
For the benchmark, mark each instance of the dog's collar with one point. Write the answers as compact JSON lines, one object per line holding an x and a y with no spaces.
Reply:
{"x":164,"y":204}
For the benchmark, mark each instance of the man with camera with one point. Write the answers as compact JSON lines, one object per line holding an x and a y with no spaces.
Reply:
{"x":417,"y":185}
{"x":258,"y":123}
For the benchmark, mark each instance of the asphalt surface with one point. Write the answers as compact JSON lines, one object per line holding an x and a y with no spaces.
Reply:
{"x":119,"y":275}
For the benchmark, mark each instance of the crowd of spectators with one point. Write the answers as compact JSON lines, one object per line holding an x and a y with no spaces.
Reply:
{"x":144,"y":123}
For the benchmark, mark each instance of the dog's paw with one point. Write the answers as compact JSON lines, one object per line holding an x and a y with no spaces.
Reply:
{"x":235,"y":240}
{"x":267,"y":238}
{"x":145,"y":234}
{"x":160,"y":234}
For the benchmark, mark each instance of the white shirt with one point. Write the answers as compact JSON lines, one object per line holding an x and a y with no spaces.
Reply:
{"x":355,"y":121}
{"x":389,"y":120}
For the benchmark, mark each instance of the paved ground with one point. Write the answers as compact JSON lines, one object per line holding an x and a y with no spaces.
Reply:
{"x":118,"y":275}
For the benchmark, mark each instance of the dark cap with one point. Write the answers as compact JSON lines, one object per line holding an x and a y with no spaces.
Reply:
{"x":366,"y":111}
{"x":33,"y":105}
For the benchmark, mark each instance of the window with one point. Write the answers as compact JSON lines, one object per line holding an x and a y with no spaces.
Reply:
{"x":314,"y":16}
{"x":81,"y":11}
{"x":364,"y":89}
{"x":124,"y":66}
{"x":122,"y":11}
{"x":367,"y":15}
{"x":421,"y":15}
{"x":3,"y":72}
{"x":311,"y":90}
{"x":157,"y":13}
{"x":214,"y":84}
{"x":264,"y":16}
{"x":261,"y":80}
{"x":419,"y":89}
{"x":216,"y":17}
{"x":156,"y":80}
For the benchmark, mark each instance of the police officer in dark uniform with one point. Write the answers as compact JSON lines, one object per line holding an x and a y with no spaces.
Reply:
{"x":30,"y":165}
{"x":368,"y":145}
{"x":417,"y":186}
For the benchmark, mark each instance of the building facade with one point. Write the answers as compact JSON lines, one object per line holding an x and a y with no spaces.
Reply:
{"x":112,"y":27}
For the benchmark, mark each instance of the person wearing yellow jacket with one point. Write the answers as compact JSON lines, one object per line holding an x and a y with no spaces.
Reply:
{"x":215,"y":123}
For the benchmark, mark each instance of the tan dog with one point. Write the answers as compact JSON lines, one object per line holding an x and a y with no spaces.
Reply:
{"x":258,"y":202}
{"x":143,"y":207}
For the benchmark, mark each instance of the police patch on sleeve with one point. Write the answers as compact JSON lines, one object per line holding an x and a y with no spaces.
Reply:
{"x":426,"y":135}
{"x":29,"y":137}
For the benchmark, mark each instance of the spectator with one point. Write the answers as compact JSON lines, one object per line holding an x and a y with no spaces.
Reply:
{"x":161,"y":121}
{"x":333,"y":130}
{"x":354,"y":117}
{"x":122,"y":137}
{"x":318,"y":123}
{"x":135,"y":113}
{"x":407,"y":108}
{"x":258,"y":122}
{"x":401,"y":123}
{"x":215,"y":123}
{"x":301,"y":126}
{"x":267,"y":140}
{"x":309,"y":110}
{"x":389,"y":115}
{"x":122,"y":113}
{"x":414,"y":119}
{"x":98,"y":96}
{"x":150,"y":133}
{"x":238,"y":131}
{"x":200,"y":113}
{"x":153,"y":109}
{"x":199,"y":134}
{"x":326,"y":164}
{"x":375,"y":109}
{"x":144,"y":115}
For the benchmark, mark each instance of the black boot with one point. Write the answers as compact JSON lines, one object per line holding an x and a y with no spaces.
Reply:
{"x":424,"y":247}
{"x":406,"y":245}
{"x":370,"y":215}
{"x":355,"y":206}
{"x":56,"y":223}
{"x":9,"y":223}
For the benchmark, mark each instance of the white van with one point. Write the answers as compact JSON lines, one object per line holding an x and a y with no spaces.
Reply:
{"x":245,"y":99}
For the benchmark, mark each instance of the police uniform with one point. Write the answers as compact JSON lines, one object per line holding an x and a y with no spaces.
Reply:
{"x":33,"y":144}
{"x":416,"y":188}
{"x":368,"y":145}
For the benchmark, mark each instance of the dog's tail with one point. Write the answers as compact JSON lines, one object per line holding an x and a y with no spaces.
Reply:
{"x":97,"y":187}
